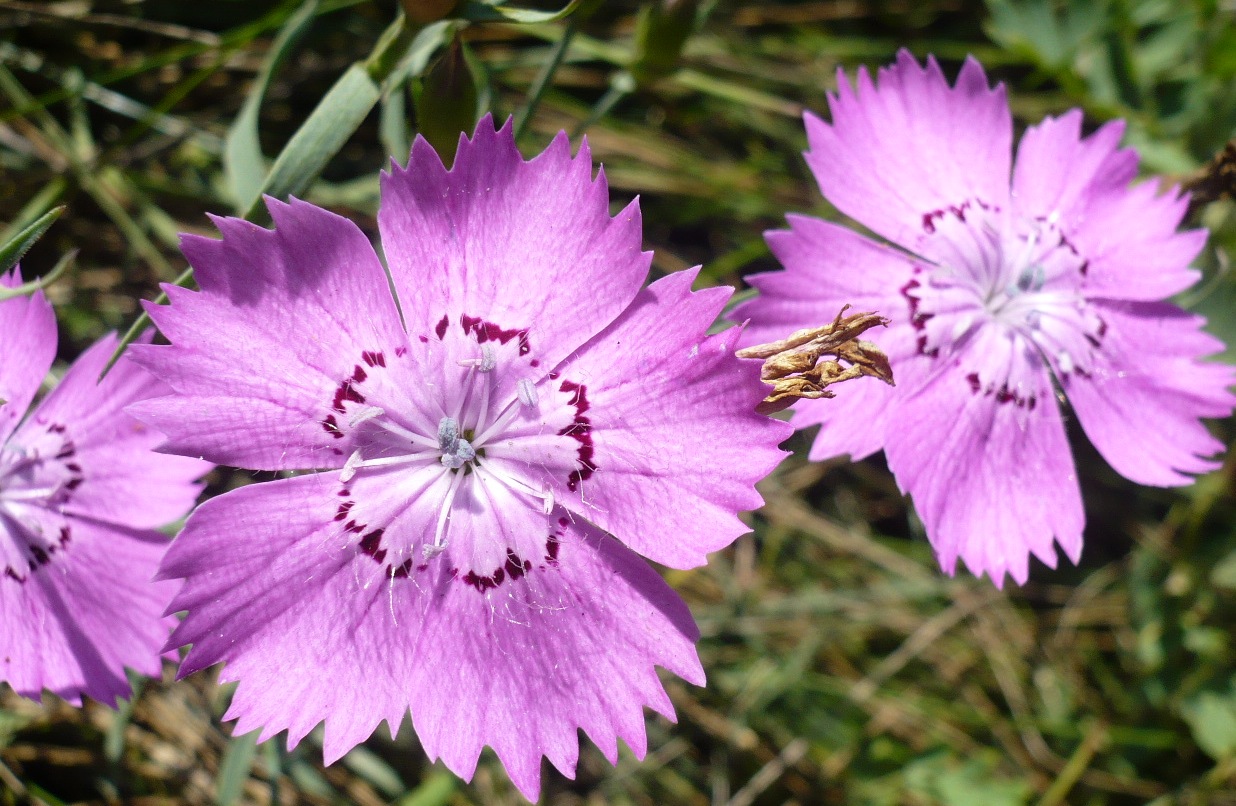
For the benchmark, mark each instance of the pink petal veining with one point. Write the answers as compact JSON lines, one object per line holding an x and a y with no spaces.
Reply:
{"x":469,"y":549}
{"x":1002,"y":281}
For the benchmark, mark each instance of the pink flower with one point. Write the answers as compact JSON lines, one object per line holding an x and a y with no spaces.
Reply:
{"x":81,"y":493}
{"x":1004,"y":286}
{"x":495,"y":446}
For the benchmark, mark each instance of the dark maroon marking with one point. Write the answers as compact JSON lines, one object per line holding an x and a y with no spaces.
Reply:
{"x":344,"y":393}
{"x":358,"y":374}
{"x":67,"y":450}
{"x":514,"y":566}
{"x":441,"y":327}
{"x":354,"y":527}
{"x":1084,"y":268}
{"x":344,"y":509}
{"x":400,"y":352}
{"x":422,"y":566}
{"x":553,"y":376}
{"x":580,"y":430}
{"x":41,"y":556}
{"x":551,"y":550}
{"x":958,"y":210}
{"x":345,"y":492}
{"x":488,"y":331}
{"x":973,"y":378}
{"x":424,"y":339}
{"x":73,"y":483}
{"x":401,"y":572}
{"x":331,"y":427}
{"x":374,"y":358}
{"x":1096,"y":339}
{"x":918,"y":320}
{"x":74,"y":467}
{"x":371,"y":544}
{"x":534,"y":363}
{"x":56,"y":428}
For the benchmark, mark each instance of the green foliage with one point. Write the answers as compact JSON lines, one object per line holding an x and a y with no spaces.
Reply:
{"x":843,"y":667}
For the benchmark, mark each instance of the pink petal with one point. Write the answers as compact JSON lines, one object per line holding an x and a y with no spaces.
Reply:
{"x":993,"y":482}
{"x":310,"y":636}
{"x":1127,"y":234}
{"x":73,"y":625}
{"x":1142,"y":404}
{"x":125,"y":481}
{"x":284,"y":320}
{"x":27,"y":348}
{"x":658,"y":393}
{"x":475,"y":240}
{"x":909,"y":145}
{"x":821,"y":276}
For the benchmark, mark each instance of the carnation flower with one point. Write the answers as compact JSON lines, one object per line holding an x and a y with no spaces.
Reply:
{"x":81,"y":493}
{"x":1007,"y":291}
{"x":495,"y":446}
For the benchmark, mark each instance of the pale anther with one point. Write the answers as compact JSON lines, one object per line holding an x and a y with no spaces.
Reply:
{"x":526,"y":390}
{"x":485,"y":363}
{"x":456,"y":451}
{"x":350,"y":467}
{"x":367,"y":413}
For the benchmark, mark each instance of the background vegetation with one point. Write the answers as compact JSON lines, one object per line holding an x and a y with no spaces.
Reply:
{"x":843,"y":667}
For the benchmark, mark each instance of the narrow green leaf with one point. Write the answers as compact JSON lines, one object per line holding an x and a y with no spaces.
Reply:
{"x":42,"y":282}
{"x":337,"y":116}
{"x":393,"y":123}
{"x":234,"y":769}
{"x":12,"y":251}
{"x":319,"y":138}
{"x":435,"y":790}
{"x":477,"y":11}
{"x":374,"y":770}
{"x":42,"y":201}
{"x":243,"y":162}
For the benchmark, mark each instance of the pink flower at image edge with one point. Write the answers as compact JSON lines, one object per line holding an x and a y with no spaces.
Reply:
{"x":1004,"y":281}
{"x":489,"y":471}
{"x":81,"y":494}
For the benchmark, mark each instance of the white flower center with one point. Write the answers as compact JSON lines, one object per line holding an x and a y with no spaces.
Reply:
{"x":495,"y":399}
{"x":1020,"y":276}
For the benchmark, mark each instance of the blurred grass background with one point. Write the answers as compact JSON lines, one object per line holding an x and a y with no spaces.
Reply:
{"x":843,"y":667}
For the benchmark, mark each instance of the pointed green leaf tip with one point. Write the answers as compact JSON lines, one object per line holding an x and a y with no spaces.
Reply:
{"x":42,"y":282}
{"x":13,"y":251}
{"x":481,"y":11}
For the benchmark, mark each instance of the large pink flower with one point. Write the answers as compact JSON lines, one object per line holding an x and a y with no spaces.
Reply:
{"x":81,"y":492}
{"x":1004,"y":286}
{"x":495,"y":446}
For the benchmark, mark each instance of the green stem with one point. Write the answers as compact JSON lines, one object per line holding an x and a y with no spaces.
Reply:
{"x":620,"y":87}
{"x":543,"y":79}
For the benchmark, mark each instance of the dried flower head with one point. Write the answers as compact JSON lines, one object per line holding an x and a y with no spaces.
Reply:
{"x":796,"y":369}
